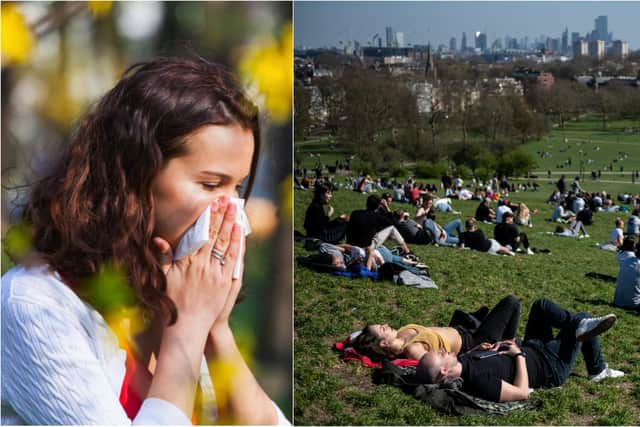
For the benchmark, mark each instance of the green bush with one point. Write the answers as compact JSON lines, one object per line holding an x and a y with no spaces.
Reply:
{"x":430,"y":170}
{"x":464,"y":171}
{"x":399,"y":171}
{"x":361,"y":167}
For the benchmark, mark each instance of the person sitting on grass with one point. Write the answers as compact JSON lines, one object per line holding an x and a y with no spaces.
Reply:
{"x":627,"y":250}
{"x":319,"y":224}
{"x":507,"y":370}
{"x":366,"y":228}
{"x":616,"y":239}
{"x":443,"y":235}
{"x":560,"y":214}
{"x":473,"y":238}
{"x":484,"y":212}
{"x":633,"y":223}
{"x":522,"y":215}
{"x":507,"y":235}
{"x":627,"y":293}
{"x":413,"y":341}
{"x":410,"y":230}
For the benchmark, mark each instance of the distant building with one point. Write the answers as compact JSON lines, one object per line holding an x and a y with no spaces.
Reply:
{"x":390,"y":37}
{"x":620,"y":49}
{"x":575,"y":36}
{"x":399,"y":39}
{"x":580,"y":48}
{"x":601,"y":31}
{"x":596,"y":49}
{"x":565,"y":41}
{"x":530,"y":79}
{"x":463,"y":42}
{"x":452,"y":44}
{"x":480,"y":41}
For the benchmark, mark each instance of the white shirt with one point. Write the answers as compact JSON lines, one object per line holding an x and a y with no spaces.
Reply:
{"x":500,"y":210}
{"x":61,"y":363}
{"x":616,"y":234}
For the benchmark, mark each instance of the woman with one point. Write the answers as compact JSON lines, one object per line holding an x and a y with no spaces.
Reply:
{"x":413,"y":341}
{"x":319,"y":224}
{"x":173,"y":139}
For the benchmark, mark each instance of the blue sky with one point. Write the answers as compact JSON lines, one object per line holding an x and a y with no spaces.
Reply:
{"x":324,"y":24}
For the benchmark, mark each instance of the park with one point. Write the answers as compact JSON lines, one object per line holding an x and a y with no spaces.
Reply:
{"x":330,"y":391}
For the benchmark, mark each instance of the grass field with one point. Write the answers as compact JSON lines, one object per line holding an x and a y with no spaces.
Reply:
{"x":329,"y":391}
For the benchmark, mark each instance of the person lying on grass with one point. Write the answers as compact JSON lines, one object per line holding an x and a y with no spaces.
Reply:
{"x":576,"y":229}
{"x":413,"y":341}
{"x":426,"y":216}
{"x":343,"y":255}
{"x":505,"y":371}
{"x":474,"y":238}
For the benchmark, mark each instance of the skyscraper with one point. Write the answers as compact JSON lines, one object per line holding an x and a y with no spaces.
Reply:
{"x":463,"y":43}
{"x":399,"y":39}
{"x":480,"y":41}
{"x":602,"y":28}
{"x":390,"y":36}
{"x":452,"y":44}
{"x":565,"y":41}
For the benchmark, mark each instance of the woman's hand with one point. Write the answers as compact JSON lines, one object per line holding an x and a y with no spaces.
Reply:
{"x":330,"y":210}
{"x":200,"y":284}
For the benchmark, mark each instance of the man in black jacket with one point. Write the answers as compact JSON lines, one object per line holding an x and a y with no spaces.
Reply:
{"x":507,"y":234}
{"x":505,"y":371}
{"x":366,"y":227}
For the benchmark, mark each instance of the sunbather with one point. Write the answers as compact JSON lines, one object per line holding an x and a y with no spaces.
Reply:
{"x":506,"y":371}
{"x":413,"y":341}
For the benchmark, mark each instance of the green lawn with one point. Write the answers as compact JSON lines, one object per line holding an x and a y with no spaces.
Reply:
{"x":588,"y":143}
{"x":329,"y":391}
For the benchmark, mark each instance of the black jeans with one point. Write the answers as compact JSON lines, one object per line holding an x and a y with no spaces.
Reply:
{"x":561,"y":351}
{"x":524,"y":241}
{"x":501,"y":323}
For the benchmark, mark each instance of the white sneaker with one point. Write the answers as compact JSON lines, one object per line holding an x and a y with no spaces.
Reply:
{"x":607,"y":372}
{"x":594,"y":326}
{"x":530,"y":252}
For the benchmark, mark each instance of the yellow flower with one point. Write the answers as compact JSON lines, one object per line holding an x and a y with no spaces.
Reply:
{"x":18,"y":241}
{"x":269,"y":65}
{"x":100,"y":8}
{"x":17,"y":40}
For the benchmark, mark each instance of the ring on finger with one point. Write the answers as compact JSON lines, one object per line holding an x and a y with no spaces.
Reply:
{"x":217,"y":254}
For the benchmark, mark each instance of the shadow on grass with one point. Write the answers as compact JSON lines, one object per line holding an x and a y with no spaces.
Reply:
{"x":599,"y":301}
{"x":600,"y":276}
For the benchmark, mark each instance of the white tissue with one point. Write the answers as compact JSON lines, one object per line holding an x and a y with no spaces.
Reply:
{"x":196,"y":236}
{"x":243,"y":221}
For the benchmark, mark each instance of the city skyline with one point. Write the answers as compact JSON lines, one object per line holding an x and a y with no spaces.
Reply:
{"x":327,"y":24}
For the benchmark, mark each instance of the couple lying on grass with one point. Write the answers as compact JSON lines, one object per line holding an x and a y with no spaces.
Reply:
{"x":489,"y":360}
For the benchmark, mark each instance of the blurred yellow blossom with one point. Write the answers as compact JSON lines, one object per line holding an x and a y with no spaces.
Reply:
{"x":269,"y":65}
{"x":109,"y":291}
{"x":18,"y":241}
{"x":100,"y":8}
{"x":263,"y":217}
{"x":17,"y":40}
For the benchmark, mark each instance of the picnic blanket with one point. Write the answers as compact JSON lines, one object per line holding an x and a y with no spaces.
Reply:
{"x":347,"y":353}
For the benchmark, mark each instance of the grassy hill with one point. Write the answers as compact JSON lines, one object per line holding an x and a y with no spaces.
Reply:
{"x":329,"y":391}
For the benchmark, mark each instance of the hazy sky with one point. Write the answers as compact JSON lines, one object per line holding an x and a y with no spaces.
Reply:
{"x":324,"y":24}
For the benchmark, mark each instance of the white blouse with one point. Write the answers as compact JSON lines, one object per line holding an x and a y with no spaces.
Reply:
{"x":61,"y":363}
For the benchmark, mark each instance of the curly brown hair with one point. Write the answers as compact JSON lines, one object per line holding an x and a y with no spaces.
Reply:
{"x":97,"y":206}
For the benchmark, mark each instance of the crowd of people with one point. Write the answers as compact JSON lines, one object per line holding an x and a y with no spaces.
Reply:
{"x":493,"y":363}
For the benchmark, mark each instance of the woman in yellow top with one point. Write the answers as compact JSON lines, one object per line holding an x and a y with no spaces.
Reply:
{"x":412,"y":341}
